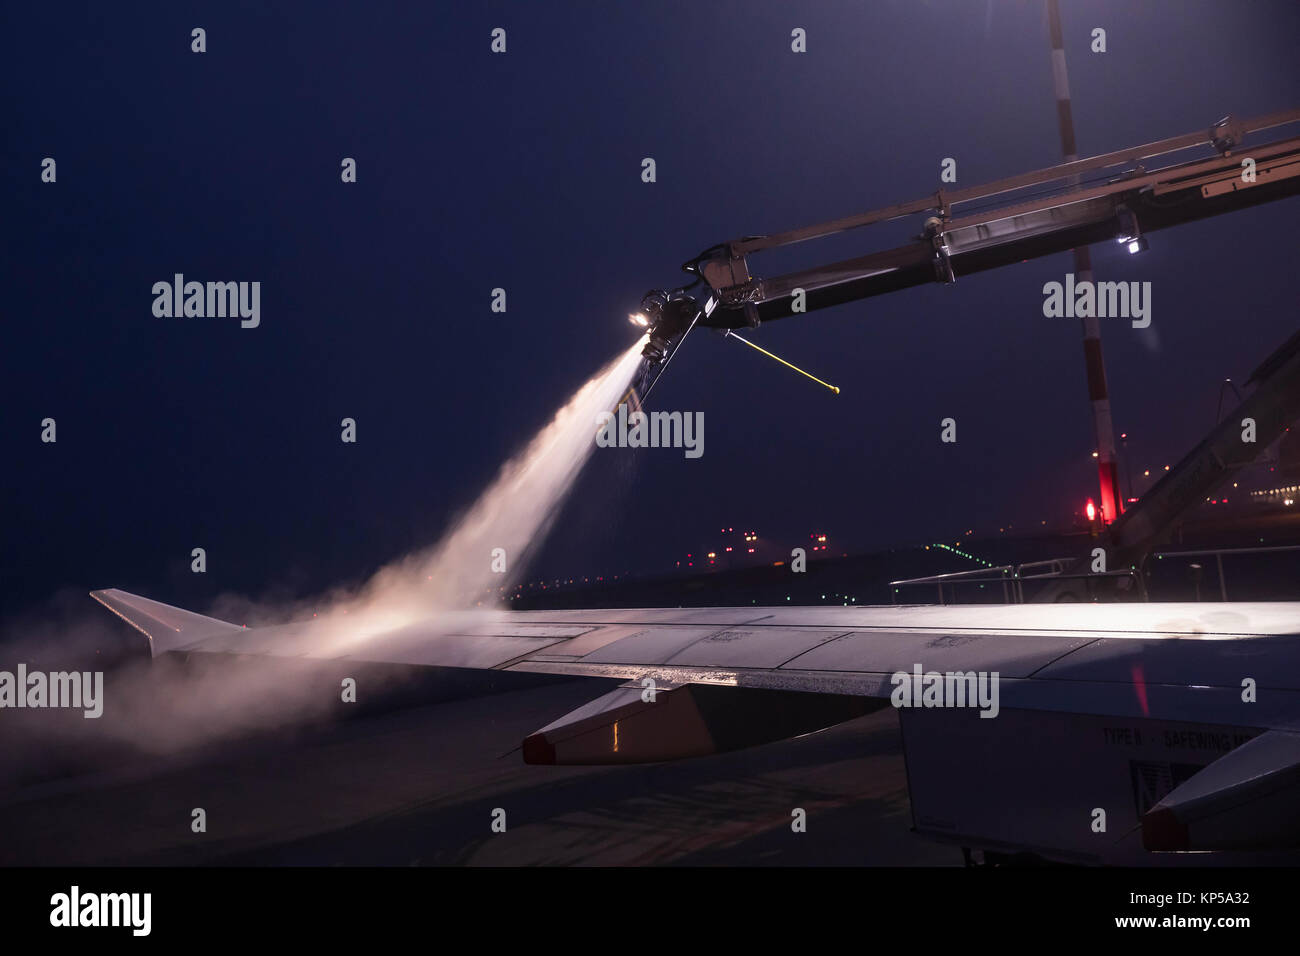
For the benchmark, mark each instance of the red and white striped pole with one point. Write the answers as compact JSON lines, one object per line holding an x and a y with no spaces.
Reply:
{"x":1112,"y":503}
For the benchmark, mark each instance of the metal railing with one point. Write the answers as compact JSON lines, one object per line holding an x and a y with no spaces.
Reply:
{"x":1012,"y":576}
{"x":1005,"y":574}
{"x":1217,"y":554}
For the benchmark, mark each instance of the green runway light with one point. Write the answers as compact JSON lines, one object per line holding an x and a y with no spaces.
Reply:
{"x":958,"y":551}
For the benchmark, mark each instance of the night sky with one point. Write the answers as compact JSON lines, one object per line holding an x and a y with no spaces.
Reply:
{"x":522,"y":171}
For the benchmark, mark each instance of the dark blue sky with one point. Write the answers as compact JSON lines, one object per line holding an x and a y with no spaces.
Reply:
{"x":523,"y":171}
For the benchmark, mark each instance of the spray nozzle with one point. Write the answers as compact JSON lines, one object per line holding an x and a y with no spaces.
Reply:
{"x":668,"y":318}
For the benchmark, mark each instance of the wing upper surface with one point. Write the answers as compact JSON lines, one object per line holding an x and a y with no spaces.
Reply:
{"x":1175,"y":659}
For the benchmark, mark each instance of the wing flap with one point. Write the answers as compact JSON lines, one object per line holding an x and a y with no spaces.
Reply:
{"x":647,"y":722}
{"x":1245,"y":800}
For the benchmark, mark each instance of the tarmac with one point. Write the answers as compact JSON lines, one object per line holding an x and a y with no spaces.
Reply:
{"x":416,"y":780}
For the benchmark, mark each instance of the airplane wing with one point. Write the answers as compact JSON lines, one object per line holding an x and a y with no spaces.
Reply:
{"x":706,"y":680}
{"x":1180,"y":661}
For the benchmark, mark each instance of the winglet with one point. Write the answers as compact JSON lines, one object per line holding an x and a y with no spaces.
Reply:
{"x":168,"y":628}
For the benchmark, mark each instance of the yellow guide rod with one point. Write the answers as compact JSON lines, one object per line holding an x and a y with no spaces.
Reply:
{"x":733,"y":335}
